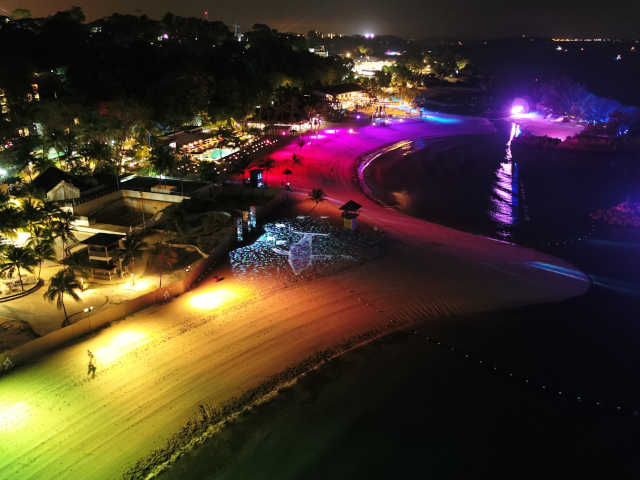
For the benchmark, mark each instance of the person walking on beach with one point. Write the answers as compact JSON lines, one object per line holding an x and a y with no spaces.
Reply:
{"x":92,"y":364}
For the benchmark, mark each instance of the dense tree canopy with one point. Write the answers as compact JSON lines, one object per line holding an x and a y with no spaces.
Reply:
{"x":89,"y":93}
{"x":176,"y":68}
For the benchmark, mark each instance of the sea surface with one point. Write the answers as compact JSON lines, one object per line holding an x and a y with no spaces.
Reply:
{"x":488,"y":184}
{"x":542,"y":198}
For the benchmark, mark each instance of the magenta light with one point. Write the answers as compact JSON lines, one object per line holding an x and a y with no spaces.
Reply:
{"x":357,"y":117}
{"x":519,"y":107}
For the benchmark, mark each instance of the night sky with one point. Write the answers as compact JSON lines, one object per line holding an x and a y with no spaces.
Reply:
{"x":408,"y":18}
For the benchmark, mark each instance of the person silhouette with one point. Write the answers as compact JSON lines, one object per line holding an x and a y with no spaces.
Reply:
{"x":92,"y":364}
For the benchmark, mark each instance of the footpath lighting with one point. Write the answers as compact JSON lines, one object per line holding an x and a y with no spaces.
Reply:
{"x":14,"y":416}
{"x":120,"y":345}
{"x":212,"y":299}
{"x":138,"y":286}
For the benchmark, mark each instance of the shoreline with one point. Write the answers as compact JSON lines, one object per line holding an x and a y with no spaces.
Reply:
{"x":361,"y":163}
{"x":296,"y":413}
{"x":186,"y":355}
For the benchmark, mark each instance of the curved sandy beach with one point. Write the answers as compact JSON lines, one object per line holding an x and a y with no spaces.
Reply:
{"x":156,"y":367}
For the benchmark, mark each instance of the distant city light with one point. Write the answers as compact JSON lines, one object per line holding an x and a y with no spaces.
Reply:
{"x":369,"y":35}
{"x":618,"y":57}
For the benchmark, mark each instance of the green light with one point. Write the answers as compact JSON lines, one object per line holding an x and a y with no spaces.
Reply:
{"x":14,"y":417}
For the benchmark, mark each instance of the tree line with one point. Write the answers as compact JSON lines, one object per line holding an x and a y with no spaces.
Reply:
{"x":116,"y":84}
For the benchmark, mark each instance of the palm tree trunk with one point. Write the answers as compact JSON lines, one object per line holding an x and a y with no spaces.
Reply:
{"x":20,"y":278}
{"x":39,"y":269}
{"x":64,"y":309}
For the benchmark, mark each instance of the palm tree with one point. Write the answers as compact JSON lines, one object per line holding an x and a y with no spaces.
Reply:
{"x":165,"y":256}
{"x":79,"y":269}
{"x":42,"y":249}
{"x":51,"y":211}
{"x":317,"y":195}
{"x":63,"y":282}
{"x":11,"y":220}
{"x":16,"y":259}
{"x":132,"y":246}
{"x":61,"y":228}
{"x":286,"y":174}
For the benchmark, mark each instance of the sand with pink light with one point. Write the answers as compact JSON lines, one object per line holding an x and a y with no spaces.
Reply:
{"x":156,"y":367}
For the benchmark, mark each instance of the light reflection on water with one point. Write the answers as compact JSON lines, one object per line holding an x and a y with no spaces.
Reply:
{"x":504,"y":199}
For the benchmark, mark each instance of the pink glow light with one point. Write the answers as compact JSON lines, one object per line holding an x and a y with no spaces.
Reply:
{"x":517,"y":109}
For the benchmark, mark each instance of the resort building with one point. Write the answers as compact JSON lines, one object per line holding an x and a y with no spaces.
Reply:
{"x":345,"y":97}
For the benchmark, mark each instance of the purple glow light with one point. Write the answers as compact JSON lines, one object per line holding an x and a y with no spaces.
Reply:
{"x":519,"y":107}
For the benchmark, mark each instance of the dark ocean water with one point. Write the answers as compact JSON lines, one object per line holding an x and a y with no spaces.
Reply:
{"x":487,"y":184}
{"x":540,"y":198}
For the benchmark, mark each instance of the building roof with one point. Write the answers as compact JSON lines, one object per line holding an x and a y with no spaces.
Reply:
{"x":351,"y":206}
{"x":145,"y":184}
{"x":102,"y":239}
{"x":51,"y":177}
{"x":186,"y":137}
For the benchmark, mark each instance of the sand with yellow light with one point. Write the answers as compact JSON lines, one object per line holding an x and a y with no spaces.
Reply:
{"x":156,"y":367}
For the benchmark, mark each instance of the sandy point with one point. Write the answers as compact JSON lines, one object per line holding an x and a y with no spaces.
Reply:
{"x":156,"y":367}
